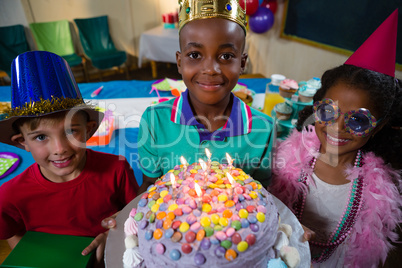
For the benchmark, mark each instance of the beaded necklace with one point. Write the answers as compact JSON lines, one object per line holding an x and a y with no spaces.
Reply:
{"x":348,"y":217}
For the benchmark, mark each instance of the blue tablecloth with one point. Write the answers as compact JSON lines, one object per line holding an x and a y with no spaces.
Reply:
{"x":118,"y":144}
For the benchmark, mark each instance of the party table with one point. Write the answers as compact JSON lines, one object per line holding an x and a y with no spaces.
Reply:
{"x":159,"y":44}
{"x":128,"y":100}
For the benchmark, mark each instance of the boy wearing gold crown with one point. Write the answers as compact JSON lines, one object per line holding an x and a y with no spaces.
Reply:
{"x":70,"y":189}
{"x":207,"y":114}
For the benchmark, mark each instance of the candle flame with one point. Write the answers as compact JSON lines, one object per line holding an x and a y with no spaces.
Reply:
{"x":230,"y":178}
{"x":173,"y":180}
{"x":197,"y":189}
{"x":183,"y":161}
{"x":203,"y":164}
{"x":230,"y":160}
{"x":208,"y":153}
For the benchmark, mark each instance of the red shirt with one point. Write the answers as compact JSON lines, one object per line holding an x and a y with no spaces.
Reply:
{"x":29,"y":202}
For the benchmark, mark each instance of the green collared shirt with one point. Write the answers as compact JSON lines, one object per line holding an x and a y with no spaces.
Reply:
{"x":169,"y":130}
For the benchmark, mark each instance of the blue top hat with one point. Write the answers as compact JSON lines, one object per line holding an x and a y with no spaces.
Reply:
{"x":41,"y":83}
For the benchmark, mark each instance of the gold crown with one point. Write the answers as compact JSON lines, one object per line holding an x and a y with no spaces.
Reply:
{"x":206,"y":9}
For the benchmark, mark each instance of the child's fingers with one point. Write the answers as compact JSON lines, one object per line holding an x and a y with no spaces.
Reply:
{"x":100,"y":239}
{"x":110,"y":222}
{"x":308,"y":233}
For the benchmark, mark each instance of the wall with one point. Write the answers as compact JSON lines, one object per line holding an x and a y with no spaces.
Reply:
{"x":268,"y":53}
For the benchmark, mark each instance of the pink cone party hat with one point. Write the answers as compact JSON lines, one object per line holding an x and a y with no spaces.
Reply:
{"x":378,"y":52}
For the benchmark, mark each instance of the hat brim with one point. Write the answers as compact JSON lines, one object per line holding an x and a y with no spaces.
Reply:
{"x":8,"y":131}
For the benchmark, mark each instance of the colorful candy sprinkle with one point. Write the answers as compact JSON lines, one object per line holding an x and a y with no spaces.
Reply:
{"x":175,"y":254}
{"x":184,"y":226}
{"x":242,"y":246}
{"x":243,"y":213}
{"x":205,"y":221}
{"x":186,"y":248}
{"x":230,"y":254}
{"x":169,"y":233}
{"x":200,"y":235}
{"x":215,"y":218}
{"x":158,"y":234}
{"x":236,"y":238}
{"x":190,"y":237}
{"x":177,"y":236}
{"x":205,"y":244}
{"x":138,"y":216}
{"x":160,"y":248}
{"x":250,"y":239}
{"x":260,"y":217}
{"x":227,"y":213}
{"x":199,"y":259}
{"x":226,"y":244}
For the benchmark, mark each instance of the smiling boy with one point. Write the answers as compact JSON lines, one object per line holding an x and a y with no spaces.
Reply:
{"x":69,"y":189}
{"x":207,"y":114}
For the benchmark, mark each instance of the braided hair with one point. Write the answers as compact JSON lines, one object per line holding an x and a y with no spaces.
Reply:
{"x":386,"y":96}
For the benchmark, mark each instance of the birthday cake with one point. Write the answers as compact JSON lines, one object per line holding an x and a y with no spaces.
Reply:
{"x":198,"y":216}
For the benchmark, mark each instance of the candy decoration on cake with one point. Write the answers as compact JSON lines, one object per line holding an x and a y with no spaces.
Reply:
{"x":205,"y":215}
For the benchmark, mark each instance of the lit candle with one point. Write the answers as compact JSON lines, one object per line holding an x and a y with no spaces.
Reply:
{"x":173,"y":181}
{"x":205,"y":169}
{"x":230,"y":162}
{"x":199,"y":193}
{"x":232,"y":183}
{"x":208,"y":153}
{"x":185,"y":164}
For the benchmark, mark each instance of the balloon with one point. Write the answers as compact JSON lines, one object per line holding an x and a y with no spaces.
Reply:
{"x":270,"y":4}
{"x":260,"y":2}
{"x":262,"y":20}
{"x":252,"y":6}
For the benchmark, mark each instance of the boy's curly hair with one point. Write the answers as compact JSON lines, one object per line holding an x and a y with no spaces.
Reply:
{"x":386,"y":96}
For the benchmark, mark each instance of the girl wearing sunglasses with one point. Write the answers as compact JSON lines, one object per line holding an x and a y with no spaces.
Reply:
{"x":335,"y":172}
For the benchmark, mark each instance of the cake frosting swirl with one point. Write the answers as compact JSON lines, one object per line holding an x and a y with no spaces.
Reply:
{"x":205,"y":217}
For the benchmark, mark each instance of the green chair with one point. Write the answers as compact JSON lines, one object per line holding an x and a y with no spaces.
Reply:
{"x":55,"y":36}
{"x":13,"y":42}
{"x":97,"y":43}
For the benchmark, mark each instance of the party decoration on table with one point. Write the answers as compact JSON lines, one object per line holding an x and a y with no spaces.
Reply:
{"x":262,"y":20}
{"x":96,"y":91}
{"x":8,"y":163}
{"x":170,"y":19}
{"x":176,"y":87}
{"x":245,"y":94}
{"x":105,"y":131}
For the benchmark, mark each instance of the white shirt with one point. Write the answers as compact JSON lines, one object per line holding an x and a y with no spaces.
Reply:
{"x":325,"y":205}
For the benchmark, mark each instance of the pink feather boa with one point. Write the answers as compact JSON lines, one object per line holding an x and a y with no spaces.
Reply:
{"x":380,"y":213}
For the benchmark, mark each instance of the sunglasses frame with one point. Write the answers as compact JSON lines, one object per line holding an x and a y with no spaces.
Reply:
{"x":337,"y":113}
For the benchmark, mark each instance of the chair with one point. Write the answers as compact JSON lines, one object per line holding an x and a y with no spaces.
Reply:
{"x":98,"y":44}
{"x":13,"y":42}
{"x":55,"y":36}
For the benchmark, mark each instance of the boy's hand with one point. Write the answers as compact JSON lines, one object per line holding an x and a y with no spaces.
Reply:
{"x":99,"y":244}
{"x":308,"y":233}
{"x":110,"y":222}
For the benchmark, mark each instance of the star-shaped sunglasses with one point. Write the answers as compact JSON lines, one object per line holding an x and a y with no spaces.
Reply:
{"x":358,"y":122}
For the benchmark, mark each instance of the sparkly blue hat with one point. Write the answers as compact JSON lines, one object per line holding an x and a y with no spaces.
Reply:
{"x":42,"y":83}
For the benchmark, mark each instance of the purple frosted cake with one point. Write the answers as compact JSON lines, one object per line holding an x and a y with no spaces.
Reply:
{"x":202,"y":217}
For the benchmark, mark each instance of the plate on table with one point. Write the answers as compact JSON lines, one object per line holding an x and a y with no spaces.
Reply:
{"x":115,"y":247}
{"x":8,"y":162}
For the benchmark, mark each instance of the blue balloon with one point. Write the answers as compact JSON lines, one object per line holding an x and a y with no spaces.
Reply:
{"x":262,"y":20}
{"x":260,"y":2}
